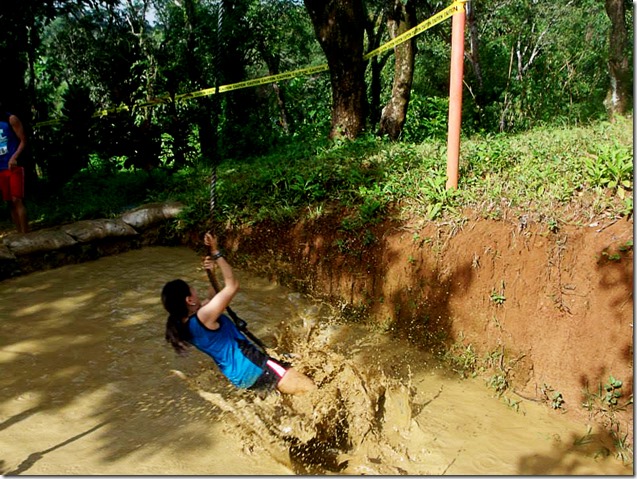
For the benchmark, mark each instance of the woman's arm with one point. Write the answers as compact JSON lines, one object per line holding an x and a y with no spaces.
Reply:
{"x":209,"y":313}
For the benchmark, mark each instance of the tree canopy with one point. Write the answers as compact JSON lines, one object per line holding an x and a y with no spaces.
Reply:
{"x":527,"y":63}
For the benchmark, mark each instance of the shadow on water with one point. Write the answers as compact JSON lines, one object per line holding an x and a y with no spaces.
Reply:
{"x":568,"y":457}
{"x":94,"y":332}
{"x":19,"y":417}
{"x":36,"y":456}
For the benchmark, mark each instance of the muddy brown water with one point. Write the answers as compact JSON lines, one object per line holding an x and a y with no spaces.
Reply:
{"x":90,"y":387}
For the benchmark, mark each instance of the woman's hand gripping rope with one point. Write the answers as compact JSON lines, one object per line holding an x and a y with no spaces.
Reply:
{"x":209,"y":264}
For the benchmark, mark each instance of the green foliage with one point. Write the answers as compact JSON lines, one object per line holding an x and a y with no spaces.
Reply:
{"x":613,"y":392}
{"x":540,"y":175}
{"x":541,"y":61}
{"x":73,"y":137}
{"x":439,"y":198}
{"x":610,"y":166}
{"x":551,"y":397}
{"x":462,"y":359}
{"x":544,"y":170}
{"x":557,"y":400}
{"x":604,"y":404}
{"x":427,"y":117}
{"x":499,"y":382}
{"x":498,"y":298}
{"x":95,"y":192}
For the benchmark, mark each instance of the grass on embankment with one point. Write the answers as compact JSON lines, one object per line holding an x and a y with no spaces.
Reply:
{"x":554,"y":176}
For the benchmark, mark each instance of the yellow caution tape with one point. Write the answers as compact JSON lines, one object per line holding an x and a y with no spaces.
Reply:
{"x":455,"y":7}
{"x":255,"y":82}
{"x":47,"y":123}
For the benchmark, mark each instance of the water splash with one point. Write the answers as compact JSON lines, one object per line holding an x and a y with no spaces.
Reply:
{"x":359,"y":421}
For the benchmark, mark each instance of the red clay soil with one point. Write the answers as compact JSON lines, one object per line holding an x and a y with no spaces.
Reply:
{"x":558,"y":305}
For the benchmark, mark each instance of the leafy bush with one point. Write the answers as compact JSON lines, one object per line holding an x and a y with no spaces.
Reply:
{"x":427,"y":117}
{"x":610,"y":166}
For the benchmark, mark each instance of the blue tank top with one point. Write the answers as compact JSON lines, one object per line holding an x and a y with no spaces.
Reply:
{"x":237,"y":358}
{"x":8,"y":141}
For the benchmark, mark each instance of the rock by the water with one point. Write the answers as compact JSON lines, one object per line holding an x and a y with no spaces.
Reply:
{"x":90,"y":230}
{"x":151,"y":213}
{"x":41,"y":240}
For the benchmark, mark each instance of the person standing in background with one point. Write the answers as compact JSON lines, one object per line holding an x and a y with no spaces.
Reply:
{"x":12,"y":143}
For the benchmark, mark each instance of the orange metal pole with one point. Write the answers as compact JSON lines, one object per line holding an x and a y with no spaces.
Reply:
{"x":455,"y":96}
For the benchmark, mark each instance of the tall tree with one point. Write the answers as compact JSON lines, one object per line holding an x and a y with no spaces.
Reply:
{"x":401,"y":17}
{"x":196,"y":72}
{"x":620,"y":77}
{"x":283,"y":39}
{"x":339,"y":28}
{"x":375,"y":28}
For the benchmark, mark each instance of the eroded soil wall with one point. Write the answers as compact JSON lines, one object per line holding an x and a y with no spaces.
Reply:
{"x":554,"y":308}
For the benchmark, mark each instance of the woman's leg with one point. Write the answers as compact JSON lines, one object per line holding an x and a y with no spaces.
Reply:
{"x":295,"y":382}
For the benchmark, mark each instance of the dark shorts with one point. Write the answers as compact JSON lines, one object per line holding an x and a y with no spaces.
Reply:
{"x":272,"y":373}
{"x":12,"y":183}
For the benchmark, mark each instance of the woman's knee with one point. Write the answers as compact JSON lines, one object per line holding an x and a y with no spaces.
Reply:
{"x":295,"y":382}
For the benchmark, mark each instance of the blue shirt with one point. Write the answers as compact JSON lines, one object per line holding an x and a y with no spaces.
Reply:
{"x":9,"y":141}
{"x":237,"y":358}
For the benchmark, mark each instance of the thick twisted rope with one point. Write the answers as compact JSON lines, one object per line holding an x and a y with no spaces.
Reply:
{"x":240,"y":323}
{"x":213,"y":179}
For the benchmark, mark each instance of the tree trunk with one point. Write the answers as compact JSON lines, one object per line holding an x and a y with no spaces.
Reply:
{"x":375,"y":27}
{"x":474,"y":55}
{"x":620,"y":82}
{"x":338,"y":25}
{"x":400,"y":19}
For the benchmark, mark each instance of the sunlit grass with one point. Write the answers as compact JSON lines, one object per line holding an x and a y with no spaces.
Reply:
{"x":554,"y":176}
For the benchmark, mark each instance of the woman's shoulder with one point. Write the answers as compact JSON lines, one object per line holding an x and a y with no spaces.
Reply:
{"x":196,"y":323}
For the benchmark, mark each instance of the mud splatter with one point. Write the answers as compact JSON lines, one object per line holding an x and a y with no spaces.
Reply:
{"x":359,"y":421}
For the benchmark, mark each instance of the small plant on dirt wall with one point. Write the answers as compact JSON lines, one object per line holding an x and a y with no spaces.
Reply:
{"x":605,"y":405}
{"x":462,"y":359}
{"x":551,"y":397}
{"x":617,"y":255}
{"x":607,"y":400}
{"x":553,"y":225}
{"x":498,"y":296}
{"x":499,"y":382}
{"x":613,"y":392}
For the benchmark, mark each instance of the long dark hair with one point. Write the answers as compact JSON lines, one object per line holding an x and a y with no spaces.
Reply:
{"x":173,"y":297}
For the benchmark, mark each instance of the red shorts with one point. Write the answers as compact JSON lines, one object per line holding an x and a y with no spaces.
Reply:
{"x":12,"y":183}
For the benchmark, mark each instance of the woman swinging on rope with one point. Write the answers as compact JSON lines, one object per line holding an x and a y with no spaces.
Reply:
{"x":204,"y":325}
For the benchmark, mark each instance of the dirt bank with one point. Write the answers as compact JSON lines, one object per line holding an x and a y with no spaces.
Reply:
{"x":549,"y":313}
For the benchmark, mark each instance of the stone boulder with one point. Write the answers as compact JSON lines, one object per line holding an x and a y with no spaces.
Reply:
{"x":91,"y":230}
{"x":84,"y":240}
{"x":5,"y":253}
{"x":36,"y":241}
{"x":150,"y":214}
